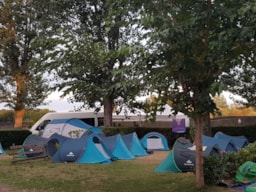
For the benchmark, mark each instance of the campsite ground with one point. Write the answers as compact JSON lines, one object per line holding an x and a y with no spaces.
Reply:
{"x":147,"y":161}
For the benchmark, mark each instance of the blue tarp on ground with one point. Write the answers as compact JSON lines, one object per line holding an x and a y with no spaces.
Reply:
{"x":133,"y":144}
{"x":238,"y":141}
{"x":117,"y":147}
{"x":154,"y":141}
{"x":87,"y":149}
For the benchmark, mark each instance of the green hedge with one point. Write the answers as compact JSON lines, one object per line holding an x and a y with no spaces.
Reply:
{"x":9,"y":137}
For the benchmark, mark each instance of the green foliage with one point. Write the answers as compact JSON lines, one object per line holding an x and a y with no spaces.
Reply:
{"x":23,"y":86}
{"x":30,"y":117}
{"x":6,"y":116}
{"x":77,"y":133}
{"x":118,"y":130}
{"x":217,"y":168}
{"x":9,"y":137}
{"x":100,"y":56}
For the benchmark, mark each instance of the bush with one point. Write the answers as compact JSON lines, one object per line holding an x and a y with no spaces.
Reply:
{"x":13,"y":136}
{"x":217,"y":168}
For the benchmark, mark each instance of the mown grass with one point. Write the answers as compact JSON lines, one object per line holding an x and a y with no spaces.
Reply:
{"x":121,"y":176}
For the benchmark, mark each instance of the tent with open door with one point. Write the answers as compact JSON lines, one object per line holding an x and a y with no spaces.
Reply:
{"x":133,"y":144}
{"x":154,"y":141}
{"x":87,"y":149}
{"x":73,"y":128}
{"x":54,"y":143}
{"x":182,"y":156}
{"x":117,"y":147}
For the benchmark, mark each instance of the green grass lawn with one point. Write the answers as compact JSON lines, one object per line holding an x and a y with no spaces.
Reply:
{"x":122,"y":176}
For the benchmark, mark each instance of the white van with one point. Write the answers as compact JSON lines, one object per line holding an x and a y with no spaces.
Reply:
{"x":91,"y":118}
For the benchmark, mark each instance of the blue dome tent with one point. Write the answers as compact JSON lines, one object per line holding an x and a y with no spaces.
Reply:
{"x":87,"y":149}
{"x":154,"y":141}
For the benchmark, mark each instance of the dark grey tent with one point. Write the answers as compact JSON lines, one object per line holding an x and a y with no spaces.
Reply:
{"x":182,"y":156}
{"x":33,"y":143}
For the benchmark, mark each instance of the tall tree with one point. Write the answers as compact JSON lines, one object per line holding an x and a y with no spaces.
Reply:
{"x":97,"y":61}
{"x":193,"y":43}
{"x":241,"y":79}
{"x":22,"y":85}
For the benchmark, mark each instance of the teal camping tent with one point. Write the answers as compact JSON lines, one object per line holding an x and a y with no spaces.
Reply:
{"x":182,"y":156}
{"x":154,"y":141}
{"x":117,"y":147}
{"x":133,"y":144}
{"x":87,"y":149}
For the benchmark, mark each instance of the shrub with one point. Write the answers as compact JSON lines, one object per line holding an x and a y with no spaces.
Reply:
{"x":217,"y":168}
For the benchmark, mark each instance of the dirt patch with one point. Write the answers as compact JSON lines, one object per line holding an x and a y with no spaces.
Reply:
{"x":155,"y":158}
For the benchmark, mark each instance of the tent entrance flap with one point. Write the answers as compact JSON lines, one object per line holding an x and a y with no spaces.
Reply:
{"x":155,"y":143}
{"x":100,"y":148}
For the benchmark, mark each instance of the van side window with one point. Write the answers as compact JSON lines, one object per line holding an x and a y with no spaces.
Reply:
{"x":42,"y":125}
{"x":100,"y":121}
{"x":89,"y":121}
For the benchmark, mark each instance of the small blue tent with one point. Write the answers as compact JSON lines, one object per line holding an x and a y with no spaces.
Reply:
{"x":73,"y":128}
{"x":154,"y":141}
{"x":87,"y":149}
{"x":117,"y":147}
{"x":225,"y":145}
{"x":133,"y":144}
{"x":2,"y":151}
{"x":238,"y":141}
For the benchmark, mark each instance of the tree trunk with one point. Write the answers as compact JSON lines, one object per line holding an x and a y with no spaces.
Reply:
{"x":207,"y":125}
{"x":108,"y":107}
{"x":199,"y":152}
{"x":19,"y":118}
{"x":19,"y":105}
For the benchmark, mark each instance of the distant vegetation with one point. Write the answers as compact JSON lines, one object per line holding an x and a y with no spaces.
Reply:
{"x":235,"y":109}
{"x":31,"y":116}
